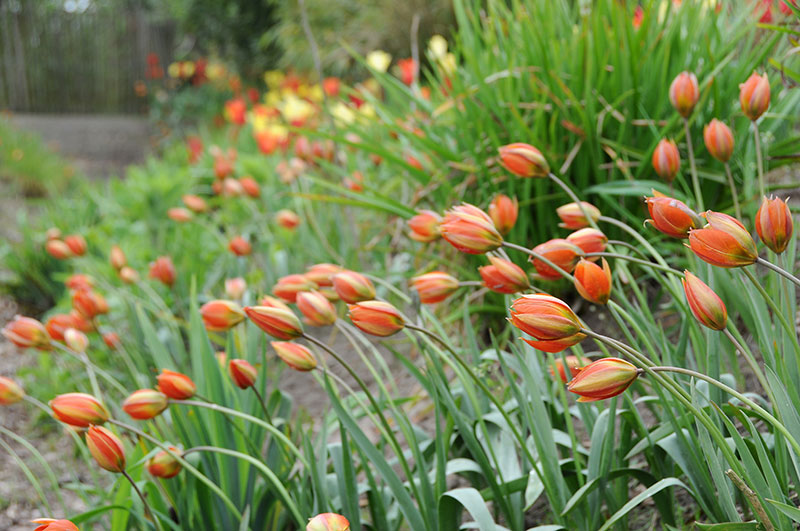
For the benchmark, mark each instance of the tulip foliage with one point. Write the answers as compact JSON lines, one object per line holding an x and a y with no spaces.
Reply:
{"x":613,"y":368}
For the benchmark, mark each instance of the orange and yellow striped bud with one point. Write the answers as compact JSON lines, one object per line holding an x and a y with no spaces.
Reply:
{"x":504,"y":211}
{"x":273,"y":302}
{"x":328,"y":522}
{"x":523,"y":160}
{"x":603,"y":379}
{"x":559,"y":251}
{"x":470,"y":230}
{"x":377,"y":318}
{"x":58,"y":249}
{"x":89,"y":304}
{"x":242,"y":373}
{"x":117,"y":257}
{"x":724,"y":242}
{"x":593,"y":282}
{"x":51,"y":524}
{"x":179,"y":214}
{"x":296,"y":356}
{"x":78,"y":282}
{"x":504,"y":276}
{"x":434,"y":287}
{"x":544,"y":317}
{"x":76,"y":244}
{"x":289,"y":286}
{"x":684,"y":93}
{"x":112,"y":341}
{"x":671,"y":217}
{"x":78,"y":410}
{"x":322,"y":274}
{"x":10,"y":391}
{"x":239,"y":246}
{"x":76,"y":340}
{"x":574,"y":365}
{"x":719,"y":140}
{"x":58,"y":324}
{"x":163,"y":270}
{"x":754,"y":96}
{"x":195,"y":203}
{"x":287,"y":219}
{"x":425,"y":226}
{"x":26,"y":332}
{"x":250,"y":187}
{"x":145,"y":404}
{"x":128,"y":275}
{"x":164,"y":465}
{"x":353,"y":287}
{"x":589,"y":240}
{"x":235,"y":287}
{"x":317,"y":309}
{"x":277,"y":322}
{"x":106,"y":448}
{"x":572,"y":215}
{"x":220,"y":315}
{"x":706,"y":305}
{"x":774,"y":224}
{"x":176,"y":385}
{"x":666,"y":160}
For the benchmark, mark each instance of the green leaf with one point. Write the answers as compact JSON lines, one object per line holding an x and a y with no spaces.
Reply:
{"x":788,"y":510}
{"x":639,"y":498}
{"x":729,"y":526}
{"x":471,"y":500}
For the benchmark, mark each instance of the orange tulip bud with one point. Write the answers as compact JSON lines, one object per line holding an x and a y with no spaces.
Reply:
{"x":26,"y":332}
{"x":666,"y":160}
{"x":176,"y":385}
{"x":672,"y":217}
{"x":89,"y":304}
{"x":754,"y":96}
{"x":242,"y":373}
{"x":353,"y":287}
{"x":548,"y":319}
{"x":106,"y":448}
{"x":322,"y":274}
{"x":561,"y":252}
{"x":574,"y":364}
{"x":316,"y":308}
{"x":231,"y":187}
{"x":219,"y":315}
{"x":51,"y":524}
{"x":503,"y":210}
{"x":328,"y":522}
{"x":719,"y":140}
{"x":774,"y":224}
{"x":79,"y":282}
{"x":287,"y":219}
{"x":195,"y":203}
{"x":164,"y":465}
{"x":277,"y":322}
{"x":163,"y":270}
{"x":78,"y":410}
{"x":603,"y":379}
{"x":76,"y":244}
{"x":470,"y":230}
{"x":58,"y":249}
{"x":239,"y":246}
{"x":250,"y":187}
{"x":273,"y":302}
{"x":376,"y":317}
{"x":425,"y":226}
{"x":179,"y":214}
{"x":684,"y":93}
{"x":76,"y":340}
{"x":53,"y":233}
{"x":504,"y":276}
{"x":523,"y":160}
{"x":295,"y":356}
{"x":117,"y":258}
{"x":235,"y":287}
{"x":724,"y":242}
{"x":589,"y":240}
{"x":593,"y":282}
{"x":572,"y":215}
{"x":111,"y":339}
{"x":706,"y":305}
{"x":128,"y":275}
{"x":434,"y":287}
{"x":10,"y":391}
{"x":289,"y":286}
{"x":58,"y":324}
{"x":145,"y":404}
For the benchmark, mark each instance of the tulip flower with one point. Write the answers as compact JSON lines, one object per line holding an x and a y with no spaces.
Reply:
{"x":10,"y":391}
{"x":754,"y":96}
{"x":589,"y":240}
{"x":239,"y":246}
{"x":128,"y":275}
{"x":242,"y":373}
{"x":277,"y":322}
{"x":222,"y":167}
{"x":684,"y":93}
{"x":706,"y":305}
{"x":504,"y":276}
{"x":503,"y":210}
{"x":250,"y":187}
{"x":287,"y":219}
{"x":176,"y":385}
{"x":603,"y":379}
{"x":235,"y":287}
{"x":322,"y":274}
{"x":724,"y":242}
{"x":89,"y":304}
{"x":425,"y":226}
{"x":53,"y":233}
{"x":434,"y":287}
{"x":544,"y":317}
{"x":76,"y":244}
{"x":316,"y":308}
{"x":470,"y":230}
{"x":106,"y":448}
{"x":111,"y":339}
{"x":145,"y":404}
{"x":235,"y":110}
{"x":231,"y":187}
{"x":296,"y":356}
{"x":273,"y":302}
{"x":195,"y":203}
{"x":164,"y":465}
{"x":78,"y":282}
{"x":289,"y":286}
{"x":523,"y":160}
{"x":572,"y":215}
{"x":574,"y":365}
{"x":593,"y":282}
{"x":163,"y":270}
{"x":330,"y":85}
{"x":76,"y":340}
{"x":58,"y":324}
{"x":719,"y":140}
{"x":51,"y":524}
{"x":26,"y":332}
{"x":377,"y":318}
{"x":666,"y":160}
{"x":379,"y":60}
{"x":58,"y":249}
{"x":79,"y":410}
{"x":408,"y":70}
{"x":219,"y":315}
{"x":638,"y":17}
{"x":328,"y":522}
{"x":561,"y":252}
{"x":179,"y":214}
{"x":117,"y":258}
{"x":353,"y":287}
{"x":671,"y":217}
{"x":774,"y":224}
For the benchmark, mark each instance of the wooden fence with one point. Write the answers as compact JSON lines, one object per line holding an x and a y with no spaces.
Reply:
{"x":77,"y":56}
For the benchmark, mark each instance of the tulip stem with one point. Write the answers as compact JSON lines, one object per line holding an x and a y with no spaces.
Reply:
{"x":771,"y":303}
{"x":539,"y":257}
{"x":759,"y":161}
{"x":752,"y":362}
{"x":637,"y":261}
{"x":638,"y":237}
{"x":263,"y":404}
{"x":736,"y":207}
{"x":698,"y":193}
{"x":778,"y":269}
{"x":755,"y":407}
{"x":91,"y":370}
{"x":147,"y":510}
{"x":467,"y":283}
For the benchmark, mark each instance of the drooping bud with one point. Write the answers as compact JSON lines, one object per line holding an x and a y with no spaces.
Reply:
{"x":26,"y":332}
{"x":163,"y":270}
{"x":273,"y":302}
{"x":250,"y":187}
{"x":425,"y":226}
{"x":10,"y":391}
{"x":559,"y":251}
{"x":671,"y":217}
{"x":774,"y":224}
{"x":239,"y":246}
{"x":684,"y":93}
{"x":593,"y":282}
{"x":89,"y":304}
{"x":544,"y":317}
{"x":76,"y":244}
{"x":328,"y":522}
{"x":145,"y":404}
{"x":589,"y":240}
{"x":78,"y":410}
{"x":51,"y":524}
{"x":164,"y":465}
{"x":117,"y":258}
{"x":58,"y":249}
{"x":317,"y":309}
{"x":719,"y":140}
{"x":754,"y":96}
{"x":106,"y":448}
{"x":179,"y":214}
{"x":235,"y":287}
{"x":78,"y":282}
{"x":504,"y":276}
{"x":706,"y":305}
{"x":277,"y":322}
{"x":128,"y":275}
{"x":322,"y":274}
{"x":289,"y":286}
{"x":176,"y":385}
{"x":603,"y":379}
{"x":523,"y":160}
{"x":470,"y":230}
{"x":353,"y":287}
{"x":666,"y":160}
{"x":724,"y":242}
{"x":504,"y":211}
{"x":76,"y":340}
{"x":377,"y":318}
{"x":572,"y":216}
{"x":195,"y":203}
{"x":434,"y":287}
{"x":296,"y":356}
{"x":219,"y":315}
{"x":112,"y":341}
{"x":287,"y":219}
{"x":242,"y":373}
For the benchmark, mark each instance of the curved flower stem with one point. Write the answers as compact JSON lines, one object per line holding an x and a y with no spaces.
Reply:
{"x":755,"y":407}
{"x":627,"y":246}
{"x":771,"y":303}
{"x":748,"y":356}
{"x":184,"y":463}
{"x":263,"y":404}
{"x":759,"y":161}
{"x":539,"y":257}
{"x":698,"y":193}
{"x":638,"y":237}
{"x":736,"y":207}
{"x":466,"y":283}
{"x":778,"y":269}
{"x":147,"y":510}
{"x":638,"y":261}
{"x":92,"y":370}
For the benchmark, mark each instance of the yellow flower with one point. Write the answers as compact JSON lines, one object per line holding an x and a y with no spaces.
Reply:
{"x":343,"y":114}
{"x":437,"y":46}
{"x":448,"y":63}
{"x":174,"y":70}
{"x":274,"y":78}
{"x":296,"y":109}
{"x":379,"y":60}
{"x":272,"y":98}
